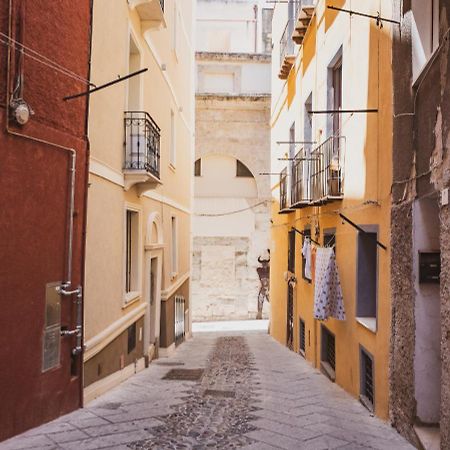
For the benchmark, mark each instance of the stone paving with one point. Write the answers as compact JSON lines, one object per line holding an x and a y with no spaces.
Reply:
{"x":254,"y":394}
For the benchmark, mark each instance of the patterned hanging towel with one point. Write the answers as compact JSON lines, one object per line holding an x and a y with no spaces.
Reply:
{"x":328,"y":300}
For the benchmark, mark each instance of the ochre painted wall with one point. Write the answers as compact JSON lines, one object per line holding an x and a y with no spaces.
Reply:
{"x":367,"y":185}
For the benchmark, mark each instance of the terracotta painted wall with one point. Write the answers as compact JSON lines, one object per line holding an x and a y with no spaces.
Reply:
{"x":34,"y":199}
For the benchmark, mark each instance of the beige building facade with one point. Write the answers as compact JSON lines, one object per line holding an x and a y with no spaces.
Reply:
{"x":232,"y":197}
{"x":141,"y":135}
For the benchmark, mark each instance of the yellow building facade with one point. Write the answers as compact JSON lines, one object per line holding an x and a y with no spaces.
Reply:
{"x":141,"y":134}
{"x":332,"y":146}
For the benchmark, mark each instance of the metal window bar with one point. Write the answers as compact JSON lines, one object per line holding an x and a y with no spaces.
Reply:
{"x":179,"y":318}
{"x":302,"y":335}
{"x":286,"y":43}
{"x":142,"y":142}
{"x":327,"y":170}
{"x":283,"y":189}
{"x":368,"y":376}
{"x":330,"y":349}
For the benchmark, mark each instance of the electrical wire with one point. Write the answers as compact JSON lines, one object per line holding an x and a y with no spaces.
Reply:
{"x":38,"y":57}
{"x":229,"y":213}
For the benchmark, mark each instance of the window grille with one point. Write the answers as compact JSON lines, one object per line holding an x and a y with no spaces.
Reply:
{"x":328,"y":350}
{"x":302,"y":337}
{"x":367,"y":380}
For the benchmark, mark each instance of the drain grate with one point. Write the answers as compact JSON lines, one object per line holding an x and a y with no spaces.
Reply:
{"x":218,"y":393}
{"x":111,"y":406}
{"x":169,"y":364}
{"x":184,"y":374}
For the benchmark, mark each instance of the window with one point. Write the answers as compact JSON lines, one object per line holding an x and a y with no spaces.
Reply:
{"x":242,"y":170}
{"x":173,"y":144}
{"x":291,"y":252}
{"x":267,"y":14}
{"x":131,"y":337}
{"x":306,"y":234}
{"x":302,"y":329}
{"x":334,"y":102}
{"x":337,"y":96}
{"x":132,"y":251}
{"x":424,"y":32}
{"x":329,"y":238}
{"x":367,"y":275}
{"x":328,"y":353}
{"x":174,"y":246}
{"x":198,"y":168}
{"x":366,"y":379}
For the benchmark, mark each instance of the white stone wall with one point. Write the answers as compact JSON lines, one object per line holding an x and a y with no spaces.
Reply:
{"x":230,"y":26}
{"x":231,"y":214}
{"x":226,"y":246}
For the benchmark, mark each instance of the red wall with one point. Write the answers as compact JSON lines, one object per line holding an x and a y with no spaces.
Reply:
{"x":33,"y":206}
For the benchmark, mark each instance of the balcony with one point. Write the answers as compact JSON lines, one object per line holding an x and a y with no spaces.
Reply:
{"x":287,"y":57}
{"x":327,"y":171}
{"x":304,"y":13}
{"x":284,"y":201}
{"x":300,"y":186}
{"x":151,"y":13}
{"x":142,"y":151}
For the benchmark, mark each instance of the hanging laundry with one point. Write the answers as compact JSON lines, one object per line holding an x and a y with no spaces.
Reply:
{"x":328,"y":300}
{"x":306,"y":252}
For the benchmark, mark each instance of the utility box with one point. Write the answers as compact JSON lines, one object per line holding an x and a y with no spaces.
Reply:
{"x":429,"y":267}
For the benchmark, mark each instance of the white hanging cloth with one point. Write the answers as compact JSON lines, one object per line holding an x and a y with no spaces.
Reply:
{"x":328,"y":299}
{"x":306,"y":252}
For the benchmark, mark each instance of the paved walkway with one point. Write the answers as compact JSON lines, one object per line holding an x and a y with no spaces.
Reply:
{"x":250,"y":393}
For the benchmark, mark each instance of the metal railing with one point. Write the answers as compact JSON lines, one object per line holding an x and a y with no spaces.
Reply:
{"x":283,"y":189}
{"x":301,"y":173}
{"x":286,"y":44}
{"x":142,"y":142}
{"x":161,"y":2}
{"x":179,"y":318}
{"x":327,"y":170}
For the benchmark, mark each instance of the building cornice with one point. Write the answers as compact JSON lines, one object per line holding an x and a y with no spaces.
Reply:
{"x":234,"y":97}
{"x":220,"y":56}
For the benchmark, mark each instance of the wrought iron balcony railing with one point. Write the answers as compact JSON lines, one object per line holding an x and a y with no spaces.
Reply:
{"x":327,"y":170}
{"x":142,"y":143}
{"x":284,"y":189}
{"x":301,"y":176}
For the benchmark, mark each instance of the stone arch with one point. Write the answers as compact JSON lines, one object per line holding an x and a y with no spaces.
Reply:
{"x":154,"y":226}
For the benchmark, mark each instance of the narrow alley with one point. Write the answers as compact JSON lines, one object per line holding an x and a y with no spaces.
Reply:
{"x":221,"y":390}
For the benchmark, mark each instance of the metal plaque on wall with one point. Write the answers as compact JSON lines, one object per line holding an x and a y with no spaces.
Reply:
{"x":52,"y":331}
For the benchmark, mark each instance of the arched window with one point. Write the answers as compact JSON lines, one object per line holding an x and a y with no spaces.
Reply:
{"x":242,"y":170}
{"x":198,"y":168}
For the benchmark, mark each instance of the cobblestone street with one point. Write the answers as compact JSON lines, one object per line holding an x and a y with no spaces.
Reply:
{"x":220,"y":390}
